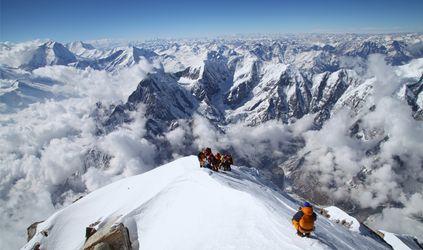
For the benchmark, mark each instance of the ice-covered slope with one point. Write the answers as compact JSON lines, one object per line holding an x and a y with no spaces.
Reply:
{"x":180,"y":206}
{"x":401,"y":242}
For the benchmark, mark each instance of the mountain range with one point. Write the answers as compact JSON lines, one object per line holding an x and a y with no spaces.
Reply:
{"x":332,"y":118}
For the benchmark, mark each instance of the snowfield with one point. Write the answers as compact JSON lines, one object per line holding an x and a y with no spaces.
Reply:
{"x":181,"y":206}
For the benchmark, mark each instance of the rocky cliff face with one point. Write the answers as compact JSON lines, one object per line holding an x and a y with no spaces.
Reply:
{"x":162,"y":98}
{"x":413,"y":94}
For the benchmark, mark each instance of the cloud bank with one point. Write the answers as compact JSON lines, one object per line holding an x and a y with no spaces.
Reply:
{"x":44,"y":148}
{"x":380,"y":166}
{"x":51,"y":152}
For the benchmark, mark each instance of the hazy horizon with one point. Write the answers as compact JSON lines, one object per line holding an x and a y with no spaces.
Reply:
{"x":94,"y":20}
{"x":217,"y":37}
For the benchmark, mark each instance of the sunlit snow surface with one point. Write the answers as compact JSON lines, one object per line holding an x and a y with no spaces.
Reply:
{"x":393,"y":240}
{"x":337,"y":214}
{"x":181,"y":206}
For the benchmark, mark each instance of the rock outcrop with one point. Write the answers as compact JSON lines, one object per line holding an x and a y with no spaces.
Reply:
{"x":114,"y":237}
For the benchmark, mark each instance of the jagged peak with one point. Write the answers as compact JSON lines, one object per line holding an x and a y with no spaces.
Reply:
{"x":81,"y":44}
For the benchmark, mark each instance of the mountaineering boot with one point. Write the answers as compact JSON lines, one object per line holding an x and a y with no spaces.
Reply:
{"x":300,"y":234}
{"x":307,"y":235}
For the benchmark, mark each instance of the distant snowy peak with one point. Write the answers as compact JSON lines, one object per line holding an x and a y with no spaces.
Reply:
{"x":310,"y":54}
{"x":127,"y":57}
{"x":413,"y":94}
{"x":284,"y":93}
{"x":254,"y":81}
{"x":79,"y":45}
{"x":85,"y":50}
{"x":49,"y":53}
{"x":255,"y":91}
{"x":398,"y":53}
{"x":163,"y":99}
{"x":366,"y":48}
{"x":137,"y":54}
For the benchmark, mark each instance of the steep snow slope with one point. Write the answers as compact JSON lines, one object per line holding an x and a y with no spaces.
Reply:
{"x":180,"y":206}
{"x":400,"y":242}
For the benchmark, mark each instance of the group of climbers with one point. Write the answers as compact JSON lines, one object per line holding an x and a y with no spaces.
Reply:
{"x":303,"y":220}
{"x":214,"y":162}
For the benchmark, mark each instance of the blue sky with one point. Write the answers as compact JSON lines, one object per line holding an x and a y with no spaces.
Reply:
{"x":129,"y":19}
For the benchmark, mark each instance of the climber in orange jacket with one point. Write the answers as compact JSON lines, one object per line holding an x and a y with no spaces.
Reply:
{"x":304,"y":219}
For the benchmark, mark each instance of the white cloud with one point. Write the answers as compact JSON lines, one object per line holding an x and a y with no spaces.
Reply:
{"x":93,"y":84}
{"x":303,"y":125}
{"x":15,"y":55}
{"x":43,"y":145}
{"x":393,"y":175}
{"x":177,"y":136}
{"x":204,"y":133}
{"x":401,"y":220}
{"x":131,"y":153}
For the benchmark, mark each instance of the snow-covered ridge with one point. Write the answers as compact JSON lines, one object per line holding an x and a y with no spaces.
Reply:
{"x":180,"y":206}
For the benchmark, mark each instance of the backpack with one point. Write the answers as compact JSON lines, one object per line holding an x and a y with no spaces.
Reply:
{"x":229,"y":160}
{"x":207,"y":151}
{"x":212,"y":159}
{"x":306,"y":222}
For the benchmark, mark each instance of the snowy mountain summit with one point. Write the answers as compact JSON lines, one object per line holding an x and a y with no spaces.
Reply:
{"x":182,"y":206}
